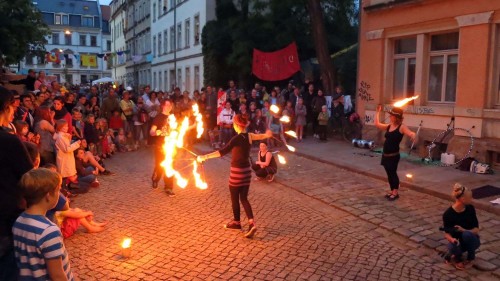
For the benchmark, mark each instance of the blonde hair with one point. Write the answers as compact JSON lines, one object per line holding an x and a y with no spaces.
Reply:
{"x":60,"y":123}
{"x":36,"y":183}
{"x":459,"y":190}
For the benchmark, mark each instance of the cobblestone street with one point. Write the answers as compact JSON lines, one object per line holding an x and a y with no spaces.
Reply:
{"x":300,"y":236}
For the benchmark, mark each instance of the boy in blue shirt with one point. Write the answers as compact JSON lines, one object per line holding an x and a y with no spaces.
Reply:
{"x":38,"y":243}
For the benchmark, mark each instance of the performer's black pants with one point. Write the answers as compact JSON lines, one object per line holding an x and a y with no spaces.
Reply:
{"x":240,"y":194}
{"x":159,"y":172}
{"x":390,"y":164}
{"x":263,"y":172}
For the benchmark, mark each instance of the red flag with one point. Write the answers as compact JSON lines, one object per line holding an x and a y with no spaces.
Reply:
{"x":275,"y":66}
{"x":221,"y":99}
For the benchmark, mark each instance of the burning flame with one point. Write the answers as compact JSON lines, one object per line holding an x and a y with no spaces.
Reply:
{"x":126,"y":243}
{"x":274,"y":108}
{"x":291,"y":148}
{"x":285,"y":119}
{"x":281,"y":159}
{"x":409,"y":176}
{"x":291,"y":133}
{"x":175,"y":139}
{"x":404,"y":101}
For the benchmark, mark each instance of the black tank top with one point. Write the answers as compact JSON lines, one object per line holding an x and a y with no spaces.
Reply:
{"x":272,"y":164}
{"x":392,"y":140}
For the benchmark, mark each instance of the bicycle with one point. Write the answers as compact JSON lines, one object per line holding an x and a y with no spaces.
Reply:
{"x":349,"y":127}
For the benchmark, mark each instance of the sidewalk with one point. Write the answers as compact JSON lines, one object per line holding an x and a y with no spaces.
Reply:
{"x":430,"y":179}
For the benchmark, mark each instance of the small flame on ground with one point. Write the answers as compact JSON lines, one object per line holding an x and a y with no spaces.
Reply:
{"x":285,"y":119}
{"x":126,"y":243}
{"x":291,"y":133}
{"x":404,"y":101}
{"x":291,"y":148}
{"x":274,"y":108}
{"x":281,"y":159}
{"x":409,"y":176}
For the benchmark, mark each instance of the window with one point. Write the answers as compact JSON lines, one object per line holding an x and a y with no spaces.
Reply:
{"x":69,"y":61}
{"x":57,"y":19}
{"x":88,"y":21}
{"x":197,"y":30}
{"x":93,"y":41}
{"x":443,"y":67}
{"x":404,"y":67}
{"x":179,"y":35}
{"x":94,"y":77}
{"x":83,"y":79}
{"x":154,"y":12}
{"x":154,"y":46}
{"x":67,"y":39}
{"x":179,"y":77}
{"x":55,"y":38}
{"x":108,"y":45}
{"x":187,"y":33}
{"x":69,"y":78}
{"x":159,"y":44}
{"x":173,"y":83}
{"x":154,"y":79}
{"x":159,"y":80}
{"x":187,"y":86}
{"x":197,"y":78}
{"x":29,"y":58}
{"x":165,"y":41}
{"x":165,"y":76}
{"x":172,"y":39}
{"x":83,"y":40}
{"x":65,"y":19}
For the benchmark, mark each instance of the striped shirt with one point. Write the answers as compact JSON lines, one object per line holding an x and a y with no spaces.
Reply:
{"x":37,"y":239}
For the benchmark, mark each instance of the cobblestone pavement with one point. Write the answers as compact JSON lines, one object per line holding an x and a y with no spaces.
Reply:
{"x":299,"y":237}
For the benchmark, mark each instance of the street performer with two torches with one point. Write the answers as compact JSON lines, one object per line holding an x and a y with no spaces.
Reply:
{"x":241,"y":172}
{"x":159,"y":129}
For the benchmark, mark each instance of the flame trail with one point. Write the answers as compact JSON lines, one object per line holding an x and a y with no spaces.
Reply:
{"x":291,"y":133}
{"x":281,"y":159}
{"x":274,"y":108}
{"x":285,"y":119}
{"x":404,"y":101}
{"x":291,"y":148}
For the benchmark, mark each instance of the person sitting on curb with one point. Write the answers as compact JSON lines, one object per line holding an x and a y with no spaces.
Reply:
{"x":461,"y":228}
{"x":265,"y":166}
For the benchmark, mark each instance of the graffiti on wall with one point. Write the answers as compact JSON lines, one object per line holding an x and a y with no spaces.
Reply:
{"x":363,"y":92}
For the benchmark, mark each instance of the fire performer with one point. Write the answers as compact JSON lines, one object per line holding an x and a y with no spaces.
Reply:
{"x":241,"y":172}
{"x":394,"y":132}
{"x":159,"y":129}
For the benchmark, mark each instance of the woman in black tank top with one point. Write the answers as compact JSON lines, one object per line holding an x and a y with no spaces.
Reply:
{"x":394,"y":132}
{"x":265,"y":167}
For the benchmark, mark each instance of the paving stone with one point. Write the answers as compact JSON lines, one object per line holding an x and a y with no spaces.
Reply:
{"x":484,"y":265}
{"x":487,"y":255}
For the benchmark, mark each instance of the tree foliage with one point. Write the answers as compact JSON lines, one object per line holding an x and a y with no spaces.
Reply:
{"x":22,"y":30}
{"x":270,"y":25}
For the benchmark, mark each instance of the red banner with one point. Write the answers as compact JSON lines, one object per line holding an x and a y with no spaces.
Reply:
{"x":275,"y":66}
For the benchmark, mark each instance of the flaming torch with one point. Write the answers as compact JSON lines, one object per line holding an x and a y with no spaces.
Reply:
{"x":291,"y":133}
{"x":403,"y":102}
{"x":285,"y":119}
{"x":281,"y":159}
{"x":274,"y":108}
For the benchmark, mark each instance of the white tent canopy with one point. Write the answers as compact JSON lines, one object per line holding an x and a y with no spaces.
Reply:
{"x":103,"y":80}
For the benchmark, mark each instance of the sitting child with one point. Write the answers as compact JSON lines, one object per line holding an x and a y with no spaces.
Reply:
{"x":69,"y":220}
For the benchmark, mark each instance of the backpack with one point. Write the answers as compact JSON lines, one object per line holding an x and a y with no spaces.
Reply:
{"x":480,"y":168}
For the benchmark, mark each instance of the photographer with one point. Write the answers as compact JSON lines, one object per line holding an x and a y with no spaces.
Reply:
{"x":461,"y":228}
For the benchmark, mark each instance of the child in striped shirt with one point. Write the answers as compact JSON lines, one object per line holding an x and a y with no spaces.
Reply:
{"x":38,"y":243}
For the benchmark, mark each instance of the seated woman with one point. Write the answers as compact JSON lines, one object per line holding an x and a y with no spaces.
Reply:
{"x":265,"y":167}
{"x":461,"y":228}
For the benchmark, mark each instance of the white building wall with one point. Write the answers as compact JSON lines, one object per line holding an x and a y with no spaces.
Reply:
{"x":188,"y":50}
{"x":117,"y":25}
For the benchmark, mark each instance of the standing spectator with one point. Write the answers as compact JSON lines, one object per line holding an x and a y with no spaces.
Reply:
{"x":273,"y":99}
{"x":110,"y":104}
{"x":41,"y":81}
{"x":293,"y":98}
{"x":226,"y":123}
{"x":322,"y":123}
{"x":337,"y":113}
{"x":23,"y":112}
{"x":116,"y":122}
{"x":28,"y":82}
{"x":62,"y":113}
{"x":44,"y":126}
{"x":141,"y":121}
{"x":70,"y":102}
{"x":300,"y":118}
{"x":308,"y":97}
{"x":291,"y":113}
{"x":233,"y":100}
{"x":64,"y":151}
{"x":40,"y":251}
{"x":461,"y":228}
{"x":316,"y":107}
{"x":258,"y":124}
{"x":288,"y":92}
{"x":14,"y":162}
{"x":81,"y":105}
{"x":211,"y":108}
{"x":253,"y":98}
{"x":232,"y":87}
{"x":94,"y":92}
{"x":128,"y":109}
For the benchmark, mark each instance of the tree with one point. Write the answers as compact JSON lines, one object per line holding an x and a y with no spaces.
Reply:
{"x":22,"y":31}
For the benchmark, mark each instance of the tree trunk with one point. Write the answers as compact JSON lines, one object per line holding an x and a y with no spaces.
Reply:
{"x":321,"y":45}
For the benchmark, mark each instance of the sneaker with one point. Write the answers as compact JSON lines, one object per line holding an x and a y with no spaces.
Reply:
{"x":270,"y":178}
{"x":95,"y":184}
{"x":251,"y":231}
{"x":464,"y":265}
{"x":170,"y":193}
{"x":233,"y":225}
{"x":107,"y":173}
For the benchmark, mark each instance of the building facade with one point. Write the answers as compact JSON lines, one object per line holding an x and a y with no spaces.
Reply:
{"x":118,"y":44}
{"x":138,"y":41}
{"x":445,"y":51}
{"x":176,"y":42}
{"x":77,"y":28}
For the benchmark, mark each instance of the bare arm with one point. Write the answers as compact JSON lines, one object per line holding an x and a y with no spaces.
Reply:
{"x":55,"y":269}
{"x":215,"y":154}
{"x":381,"y":126}
{"x":406,"y":131}
{"x":267,"y":135}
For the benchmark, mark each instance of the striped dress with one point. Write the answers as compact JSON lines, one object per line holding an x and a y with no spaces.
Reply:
{"x":241,"y":172}
{"x":37,"y":239}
